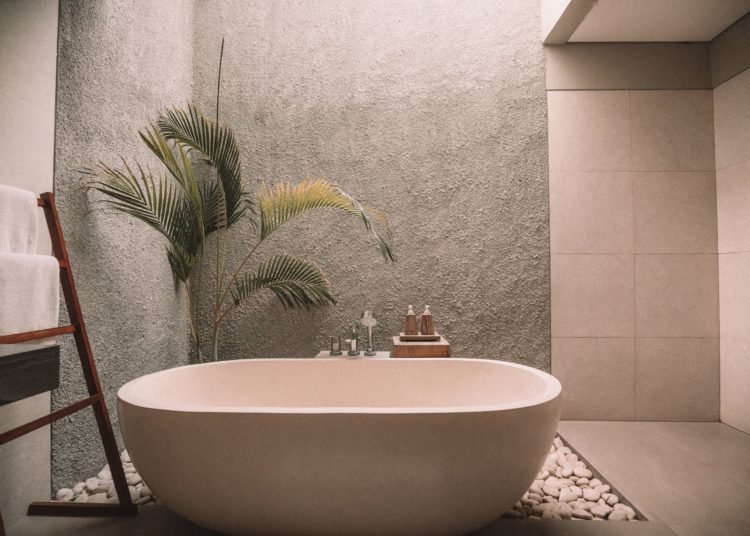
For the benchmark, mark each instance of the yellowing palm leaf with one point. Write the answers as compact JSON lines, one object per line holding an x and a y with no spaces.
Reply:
{"x":284,"y":201}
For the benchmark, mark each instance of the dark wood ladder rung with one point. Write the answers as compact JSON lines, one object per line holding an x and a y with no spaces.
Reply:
{"x":52,"y":508}
{"x":38,"y":334}
{"x":24,"y":429}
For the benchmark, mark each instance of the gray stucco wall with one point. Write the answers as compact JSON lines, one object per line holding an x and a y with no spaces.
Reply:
{"x":434,"y":111}
{"x":119,"y":61}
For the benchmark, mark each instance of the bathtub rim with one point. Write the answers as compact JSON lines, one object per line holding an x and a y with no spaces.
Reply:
{"x":127,"y":394}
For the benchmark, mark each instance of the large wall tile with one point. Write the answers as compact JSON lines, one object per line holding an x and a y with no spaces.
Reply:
{"x":735,"y":382}
{"x":675,"y":212}
{"x":734,"y":284}
{"x":677,"y":379}
{"x":733,"y":200}
{"x":676,"y":295}
{"x":591,"y":212}
{"x":589,"y":130}
{"x":592,"y":296}
{"x":672,"y":130}
{"x":732,"y":120}
{"x":597,"y":377}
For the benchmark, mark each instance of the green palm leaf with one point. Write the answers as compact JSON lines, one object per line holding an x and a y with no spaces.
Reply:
{"x":295,"y":281}
{"x":157,"y":202}
{"x":285,"y":201}
{"x":219,"y":146}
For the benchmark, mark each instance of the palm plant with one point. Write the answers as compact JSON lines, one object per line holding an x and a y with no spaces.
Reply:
{"x":187,"y":208}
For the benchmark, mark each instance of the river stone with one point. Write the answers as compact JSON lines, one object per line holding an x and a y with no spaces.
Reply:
{"x":78,"y":488}
{"x":591,"y":494}
{"x":582,"y":482}
{"x":92,"y":483}
{"x":142,"y":500}
{"x":601,"y":510}
{"x":567,"y":495}
{"x":133,"y":479}
{"x":98,"y":498}
{"x":64,"y":494}
{"x":82,"y":498}
{"x":552,"y":491}
{"x":125,"y":457}
{"x":625,"y":508}
{"x":146,"y":492}
{"x":595,"y":482}
{"x":566,"y":471}
{"x":618,"y":515}
{"x":105,"y":474}
{"x":581,"y":514}
{"x":582,"y":472}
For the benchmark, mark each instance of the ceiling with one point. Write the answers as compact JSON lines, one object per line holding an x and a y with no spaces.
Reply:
{"x":658,"y":20}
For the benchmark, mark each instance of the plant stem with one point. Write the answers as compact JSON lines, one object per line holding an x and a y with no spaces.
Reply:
{"x":236,"y":273}
{"x":192,"y":321}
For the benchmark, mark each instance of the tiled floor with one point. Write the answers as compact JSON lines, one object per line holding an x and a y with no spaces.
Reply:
{"x":695,"y":477}
{"x":692,"y":479}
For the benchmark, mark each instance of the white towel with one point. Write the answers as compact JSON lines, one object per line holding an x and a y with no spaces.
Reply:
{"x":18,"y":220}
{"x":29,"y":292}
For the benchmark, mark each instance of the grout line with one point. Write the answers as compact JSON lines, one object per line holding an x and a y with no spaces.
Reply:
{"x":635,"y":292}
{"x":639,"y":337}
{"x":735,"y":164}
{"x":643,"y":254}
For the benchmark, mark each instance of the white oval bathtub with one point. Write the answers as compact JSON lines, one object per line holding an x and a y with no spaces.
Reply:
{"x":340,"y":446}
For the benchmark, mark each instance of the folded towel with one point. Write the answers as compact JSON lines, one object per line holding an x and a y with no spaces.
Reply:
{"x":18,"y":220}
{"x":29,"y":292}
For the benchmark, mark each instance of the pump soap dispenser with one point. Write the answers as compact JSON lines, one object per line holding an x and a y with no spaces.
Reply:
{"x":427,"y":326}
{"x":411,"y":323}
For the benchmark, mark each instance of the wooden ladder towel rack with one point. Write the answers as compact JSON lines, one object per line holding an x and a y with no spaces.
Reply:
{"x":95,"y":399}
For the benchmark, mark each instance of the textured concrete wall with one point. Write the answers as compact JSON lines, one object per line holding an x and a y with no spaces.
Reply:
{"x":119,"y":61}
{"x":433,"y":111}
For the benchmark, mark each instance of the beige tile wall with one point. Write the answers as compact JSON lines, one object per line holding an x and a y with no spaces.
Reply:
{"x":732,"y":127}
{"x":635,"y":294}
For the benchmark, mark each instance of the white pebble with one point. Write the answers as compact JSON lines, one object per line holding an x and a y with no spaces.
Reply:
{"x":581,"y":514}
{"x":125,"y":456}
{"x":591,"y":495}
{"x":142,"y":500}
{"x":567,"y":495}
{"x":133,"y":479}
{"x":582,"y":472}
{"x":105,"y":474}
{"x":64,"y":494}
{"x":134,"y":493}
{"x":618,"y":515}
{"x":92,"y":483}
{"x":98,"y":498}
{"x":82,"y":498}
{"x":601,"y":510}
{"x":78,"y":488}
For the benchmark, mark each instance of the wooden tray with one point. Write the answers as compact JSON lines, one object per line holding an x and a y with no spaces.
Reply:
{"x":419,"y":337}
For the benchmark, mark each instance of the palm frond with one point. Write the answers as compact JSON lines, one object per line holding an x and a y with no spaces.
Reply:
{"x":157,"y":202}
{"x":278,"y":204}
{"x":295,"y":281}
{"x":219,"y":147}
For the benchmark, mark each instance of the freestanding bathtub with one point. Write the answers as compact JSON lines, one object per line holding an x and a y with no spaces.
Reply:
{"x":340,"y":446}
